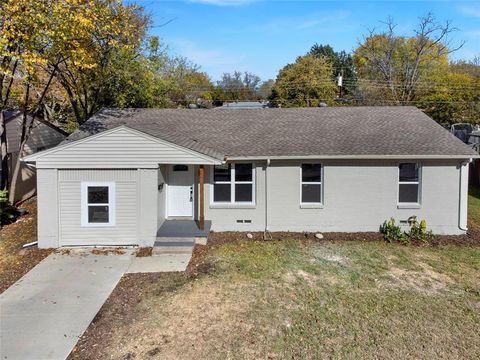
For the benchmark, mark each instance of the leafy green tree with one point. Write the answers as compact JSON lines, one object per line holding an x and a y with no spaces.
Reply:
{"x":342,"y":64}
{"x":307,"y":82}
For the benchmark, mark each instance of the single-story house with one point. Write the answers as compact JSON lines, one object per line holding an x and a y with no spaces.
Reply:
{"x":125,"y":173}
{"x":44,"y":135}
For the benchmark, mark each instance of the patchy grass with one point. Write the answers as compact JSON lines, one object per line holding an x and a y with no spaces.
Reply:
{"x":298,"y":299}
{"x":14,"y":260}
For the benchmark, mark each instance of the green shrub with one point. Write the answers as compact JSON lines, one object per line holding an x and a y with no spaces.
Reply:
{"x":418,"y":231}
{"x":391,"y":231}
{"x":8,"y":213}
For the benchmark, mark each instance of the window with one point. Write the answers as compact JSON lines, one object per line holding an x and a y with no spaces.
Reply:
{"x":311,"y":184}
{"x":233,"y":183}
{"x":98,"y":204}
{"x":180,"y":167}
{"x":409,"y":183}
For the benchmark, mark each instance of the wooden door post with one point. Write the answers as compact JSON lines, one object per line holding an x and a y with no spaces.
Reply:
{"x":201,"y":175}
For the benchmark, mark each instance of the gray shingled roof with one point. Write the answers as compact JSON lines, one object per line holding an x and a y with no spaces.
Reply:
{"x":340,"y":131}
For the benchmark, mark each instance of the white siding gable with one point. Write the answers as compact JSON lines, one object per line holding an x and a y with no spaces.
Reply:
{"x":119,"y":148}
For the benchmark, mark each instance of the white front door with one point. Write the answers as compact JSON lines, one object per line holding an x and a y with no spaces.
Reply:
{"x":180,"y":190}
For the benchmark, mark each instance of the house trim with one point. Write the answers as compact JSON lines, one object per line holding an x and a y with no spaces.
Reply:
{"x":410,"y":205}
{"x":85,"y":205}
{"x":351,"y":157}
{"x":232,"y":203}
{"x":312,"y":205}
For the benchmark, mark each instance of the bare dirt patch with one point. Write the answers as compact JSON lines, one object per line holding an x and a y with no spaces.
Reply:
{"x":16,"y":261}
{"x":426,"y":280}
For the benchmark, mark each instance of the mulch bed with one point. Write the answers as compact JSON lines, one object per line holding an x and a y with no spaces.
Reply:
{"x":471,"y":238}
{"x":16,"y":261}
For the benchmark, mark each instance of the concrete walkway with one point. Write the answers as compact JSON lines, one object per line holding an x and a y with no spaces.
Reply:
{"x":160,"y":263}
{"x":44,"y":313}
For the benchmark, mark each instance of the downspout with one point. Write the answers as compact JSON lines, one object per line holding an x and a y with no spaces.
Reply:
{"x":462,"y":206}
{"x":266,"y":233}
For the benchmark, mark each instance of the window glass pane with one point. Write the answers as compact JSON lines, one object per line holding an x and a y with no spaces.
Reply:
{"x":98,"y":214}
{"x":408,"y":193}
{"x":311,"y":193}
{"x":311,"y":173}
{"x":221,"y":193}
{"x":98,"y":194}
{"x":408,"y":172}
{"x":222,"y":172}
{"x":243,"y":172}
{"x":243,"y":192}
{"x":180,"y":167}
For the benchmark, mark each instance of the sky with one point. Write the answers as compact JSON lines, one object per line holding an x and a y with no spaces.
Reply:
{"x":262,"y":36}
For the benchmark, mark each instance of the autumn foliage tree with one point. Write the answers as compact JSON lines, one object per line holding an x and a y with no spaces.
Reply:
{"x":307,"y":82}
{"x":65,"y":40}
{"x":396,"y":66}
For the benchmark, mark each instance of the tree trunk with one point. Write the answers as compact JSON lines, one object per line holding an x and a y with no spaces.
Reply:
{"x":4,"y":153}
{"x":18,"y":160}
{"x":3,"y":126}
{"x":26,"y":131}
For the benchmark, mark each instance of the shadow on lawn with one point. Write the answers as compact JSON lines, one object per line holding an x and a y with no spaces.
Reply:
{"x":474,"y":191}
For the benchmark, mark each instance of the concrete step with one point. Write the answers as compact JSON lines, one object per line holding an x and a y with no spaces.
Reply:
{"x":157,"y":251}
{"x":171,"y":245}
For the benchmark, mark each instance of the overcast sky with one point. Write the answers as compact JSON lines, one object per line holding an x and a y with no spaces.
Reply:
{"x":262,"y":36}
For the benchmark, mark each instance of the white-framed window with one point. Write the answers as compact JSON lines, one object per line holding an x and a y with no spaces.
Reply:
{"x":311,"y":192}
{"x":98,"y":204}
{"x":409,"y":180}
{"x":233,"y":184}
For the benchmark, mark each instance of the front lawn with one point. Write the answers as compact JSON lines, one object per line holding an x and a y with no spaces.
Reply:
{"x":298,"y":299}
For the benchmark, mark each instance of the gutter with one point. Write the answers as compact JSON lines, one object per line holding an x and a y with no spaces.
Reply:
{"x":266,"y":233}
{"x":351,"y":157}
{"x":462,"y":206}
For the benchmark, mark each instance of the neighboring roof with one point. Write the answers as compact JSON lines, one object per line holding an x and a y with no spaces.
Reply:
{"x":11,"y":114}
{"x":243,"y":105}
{"x":377,"y":132}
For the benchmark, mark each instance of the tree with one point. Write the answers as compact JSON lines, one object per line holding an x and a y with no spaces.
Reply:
{"x":25,"y":43}
{"x":112,"y":32}
{"x":342,"y":64}
{"x":239,"y":86}
{"x":451,"y":93}
{"x":391,"y":67}
{"x":63,"y":40}
{"x":307,"y":82}
{"x":265,"y":89}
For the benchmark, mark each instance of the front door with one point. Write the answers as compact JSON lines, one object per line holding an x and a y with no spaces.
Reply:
{"x":180,"y":190}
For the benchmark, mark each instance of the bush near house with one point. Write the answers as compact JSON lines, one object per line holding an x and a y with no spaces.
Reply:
{"x":8,"y":213}
{"x":418,"y":231}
